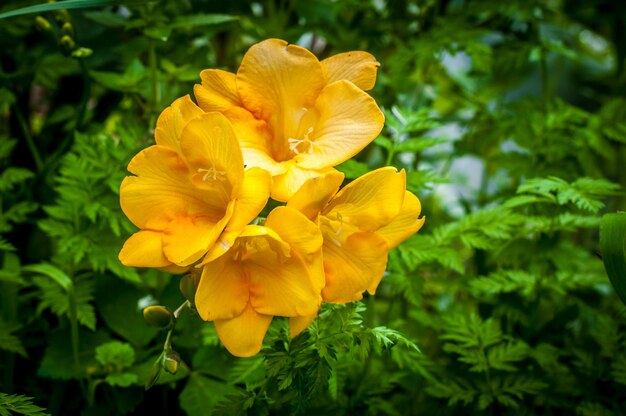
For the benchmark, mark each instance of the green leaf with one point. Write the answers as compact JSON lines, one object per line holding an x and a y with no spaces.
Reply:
{"x":118,"y":305}
{"x":19,"y":404}
{"x":613,"y":247}
{"x":353,"y":169}
{"x":121,"y":379}
{"x":13,"y":176}
{"x":185,"y":22}
{"x":67,"y":4}
{"x":58,"y":300}
{"x":201,"y":394}
{"x":8,"y":341}
{"x":52,"y":272}
{"x":117,"y":354}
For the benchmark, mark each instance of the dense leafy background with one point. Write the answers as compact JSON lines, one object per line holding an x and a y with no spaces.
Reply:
{"x":509,"y":118}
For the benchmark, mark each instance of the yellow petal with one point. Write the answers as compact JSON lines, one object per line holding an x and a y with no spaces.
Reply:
{"x":356,"y":265}
{"x":298,"y":324}
{"x":405,"y":224}
{"x":315,"y":193}
{"x":162,"y":191}
{"x":254,"y":195}
{"x":357,"y":67}
{"x":276,"y":80}
{"x":218,"y":91}
{"x":285,"y":185}
{"x":211,"y":149}
{"x":186,"y":239}
{"x":172,"y":120}
{"x":282,"y":288}
{"x":370,"y":201}
{"x":223,"y":290}
{"x":144,"y":249}
{"x":280,"y":274}
{"x":348,"y":120}
{"x":174,"y":269}
{"x":295,"y":229}
{"x":243,"y":336}
{"x":254,"y":137}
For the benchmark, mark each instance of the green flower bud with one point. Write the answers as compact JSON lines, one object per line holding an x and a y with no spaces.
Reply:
{"x":67,"y":42}
{"x":155,"y":373}
{"x":43,"y":24}
{"x":171,"y":361}
{"x":82,"y":53}
{"x":61,"y":15}
{"x":158,"y":316}
{"x":187,"y":287}
{"x":67,"y":29}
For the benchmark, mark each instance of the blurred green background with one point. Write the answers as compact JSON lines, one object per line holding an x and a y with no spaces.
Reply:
{"x":509,"y":120}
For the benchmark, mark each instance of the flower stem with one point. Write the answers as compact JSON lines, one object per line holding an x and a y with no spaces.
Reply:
{"x":156,"y":93}
{"x":86,"y":94}
{"x":29,"y":139}
{"x":75,"y":338}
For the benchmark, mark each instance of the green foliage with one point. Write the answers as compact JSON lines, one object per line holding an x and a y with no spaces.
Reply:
{"x":508,"y":119}
{"x":19,"y":405}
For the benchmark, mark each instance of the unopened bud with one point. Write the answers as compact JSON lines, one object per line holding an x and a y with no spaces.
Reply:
{"x":67,"y":29}
{"x":187,"y":287}
{"x":158,"y":316}
{"x":43,"y":24}
{"x":171,"y":361}
{"x":61,"y":15}
{"x":67,"y":42}
{"x":155,"y":372}
{"x":82,"y":53}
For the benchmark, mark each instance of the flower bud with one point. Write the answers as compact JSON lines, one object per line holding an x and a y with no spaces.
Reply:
{"x":187,"y":287}
{"x":67,"y":29}
{"x":82,"y":53}
{"x":171,"y":361}
{"x":158,"y":316}
{"x":155,"y":373}
{"x":42,"y":24}
{"x":67,"y":42}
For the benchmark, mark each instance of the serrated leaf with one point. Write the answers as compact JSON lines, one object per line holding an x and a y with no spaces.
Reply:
{"x":53,"y":272}
{"x":9,"y":341}
{"x":117,"y":354}
{"x":121,"y":379}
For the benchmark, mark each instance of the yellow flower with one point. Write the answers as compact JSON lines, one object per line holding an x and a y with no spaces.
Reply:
{"x":359,"y":224}
{"x":270,"y":270}
{"x":295,"y":116}
{"x":188,"y":188}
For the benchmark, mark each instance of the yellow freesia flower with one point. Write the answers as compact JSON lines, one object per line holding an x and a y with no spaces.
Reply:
{"x":295,"y":116}
{"x":188,"y":188}
{"x":270,"y":270}
{"x":359,"y":224}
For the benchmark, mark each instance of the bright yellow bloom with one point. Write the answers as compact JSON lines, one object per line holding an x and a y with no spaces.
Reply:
{"x":188,"y":188}
{"x":295,"y":116}
{"x":270,"y":270}
{"x":359,"y":224}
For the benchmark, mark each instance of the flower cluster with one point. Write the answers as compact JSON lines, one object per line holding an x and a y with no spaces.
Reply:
{"x":275,"y":128}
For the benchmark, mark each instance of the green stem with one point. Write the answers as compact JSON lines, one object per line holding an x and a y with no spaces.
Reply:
{"x":156,"y":94}
{"x":168,"y":340}
{"x":86,"y":94}
{"x":75,"y":338}
{"x":29,"y":139}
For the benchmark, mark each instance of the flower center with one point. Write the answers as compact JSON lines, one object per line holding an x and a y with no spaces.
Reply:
{"x":333,"y":229}
{"x":304,"y":145}
{"x":212,"y":174}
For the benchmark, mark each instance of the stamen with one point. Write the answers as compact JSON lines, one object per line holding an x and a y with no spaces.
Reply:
{"x":294,"y":144}
{"x":212,"y":174}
